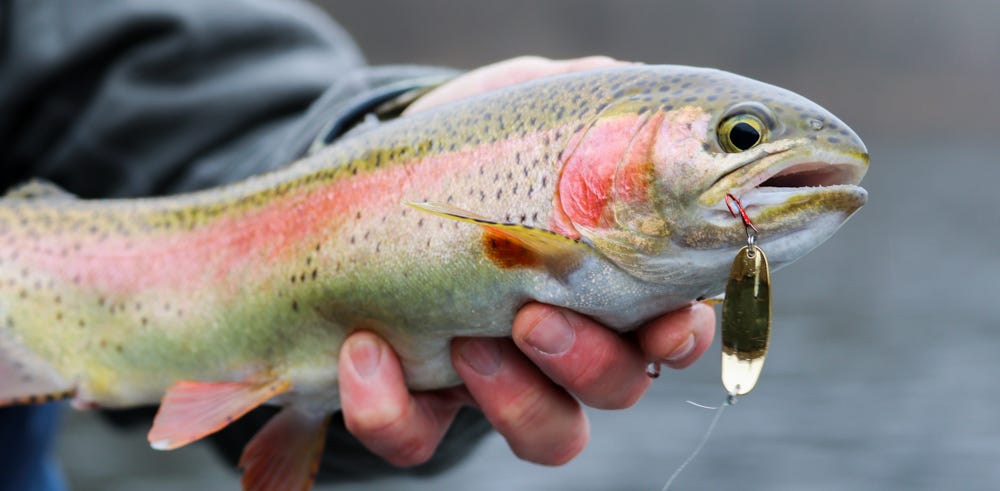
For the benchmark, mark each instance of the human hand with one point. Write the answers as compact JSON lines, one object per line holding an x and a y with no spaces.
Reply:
{"x":530,"y":388}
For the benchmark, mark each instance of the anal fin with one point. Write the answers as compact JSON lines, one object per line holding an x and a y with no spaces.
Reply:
{"x":285,"y":454}
{"x":192,"y":410}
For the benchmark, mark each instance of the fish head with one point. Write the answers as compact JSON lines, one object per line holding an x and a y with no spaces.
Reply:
{"x":793,"y":165}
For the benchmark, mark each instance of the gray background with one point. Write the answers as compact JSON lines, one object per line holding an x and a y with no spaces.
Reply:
{"x":883,"y":367}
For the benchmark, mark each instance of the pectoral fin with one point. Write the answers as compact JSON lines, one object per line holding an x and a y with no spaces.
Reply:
{"x":285,"y":454}
{"x":514,"y":244}
{"x":26,"y":378}
{"x":192,"y":410}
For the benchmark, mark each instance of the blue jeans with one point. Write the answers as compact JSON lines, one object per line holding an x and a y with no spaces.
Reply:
{"x":27,"y":434}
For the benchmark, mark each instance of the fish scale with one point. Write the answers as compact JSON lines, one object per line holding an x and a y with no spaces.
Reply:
{"x":599,"y":191}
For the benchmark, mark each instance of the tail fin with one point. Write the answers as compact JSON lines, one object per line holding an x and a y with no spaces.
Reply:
{"x":25,"y":378}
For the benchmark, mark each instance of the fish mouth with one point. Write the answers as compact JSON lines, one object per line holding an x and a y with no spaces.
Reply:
{"x":809,"y":175}
{"x":782,"y":190}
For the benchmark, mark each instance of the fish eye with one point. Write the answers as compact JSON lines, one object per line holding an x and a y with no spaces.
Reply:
{"x":741,"y":132}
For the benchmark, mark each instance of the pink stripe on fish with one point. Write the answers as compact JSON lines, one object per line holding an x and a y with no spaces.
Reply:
{"x":234,"y":245}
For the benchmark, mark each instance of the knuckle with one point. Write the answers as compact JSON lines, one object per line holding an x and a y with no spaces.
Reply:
{"x":607,"y":382}
{"x":375,"y":420}
{"x":554,"y":446}
{"x":523,"y":411}
{"x":593,"y":374}
{"x":566,"y":452}
{"x":411,"y":452}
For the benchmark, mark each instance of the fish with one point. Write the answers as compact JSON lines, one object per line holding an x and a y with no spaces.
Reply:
{"x":603,"y":191}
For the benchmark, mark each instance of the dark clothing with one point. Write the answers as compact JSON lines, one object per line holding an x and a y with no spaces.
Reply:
{"x":124,"y":98}
{"x":26,"y":461}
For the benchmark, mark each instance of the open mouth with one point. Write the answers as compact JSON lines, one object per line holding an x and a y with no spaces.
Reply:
{"x":813,"y":174}
{"x":781,"y":176}
{"x":788,"y":170}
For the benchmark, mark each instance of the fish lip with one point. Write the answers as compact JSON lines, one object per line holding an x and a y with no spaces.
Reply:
{"x":792,"y":172}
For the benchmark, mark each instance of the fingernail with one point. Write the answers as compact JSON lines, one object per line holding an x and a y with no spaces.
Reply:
{"x":365,"y":357}
{"x":553,"y":335}
{"x":683,"y":350}
{"x":482,"y":354}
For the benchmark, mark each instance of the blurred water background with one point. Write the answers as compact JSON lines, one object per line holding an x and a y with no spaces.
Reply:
{"x":883,"y":371}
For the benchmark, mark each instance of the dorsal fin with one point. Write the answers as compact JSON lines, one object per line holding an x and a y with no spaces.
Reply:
{"x":556,"y":251}
{"x":38,"y":189}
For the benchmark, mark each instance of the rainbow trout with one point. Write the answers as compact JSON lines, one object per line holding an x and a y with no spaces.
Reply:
{"x":601,"y":191}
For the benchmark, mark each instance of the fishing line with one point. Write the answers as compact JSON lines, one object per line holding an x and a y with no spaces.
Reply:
{"x":729,"y":401}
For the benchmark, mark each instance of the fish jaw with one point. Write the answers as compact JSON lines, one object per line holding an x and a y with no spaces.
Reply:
{"x":796,"y":196}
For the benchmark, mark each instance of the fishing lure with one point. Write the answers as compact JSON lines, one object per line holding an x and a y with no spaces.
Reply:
{"x":746,"y":312}
{"x":746,"y":326}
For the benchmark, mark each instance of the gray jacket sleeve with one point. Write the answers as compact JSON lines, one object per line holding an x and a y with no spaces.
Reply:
{"x":124,"y":98}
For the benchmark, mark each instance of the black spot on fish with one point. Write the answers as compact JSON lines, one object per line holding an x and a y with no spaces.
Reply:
{"x":295,"y":305}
